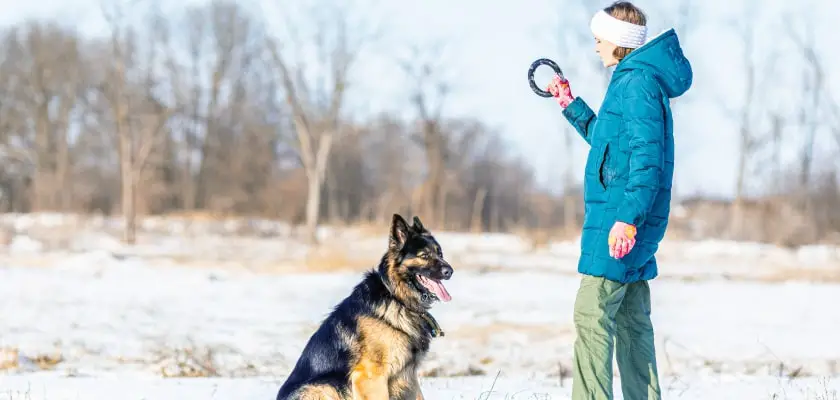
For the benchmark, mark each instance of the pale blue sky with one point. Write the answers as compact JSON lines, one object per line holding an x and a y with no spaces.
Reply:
{"x":492,"y":44}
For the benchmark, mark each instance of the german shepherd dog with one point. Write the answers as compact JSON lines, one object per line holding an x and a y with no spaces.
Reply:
{"x":372,"y":343}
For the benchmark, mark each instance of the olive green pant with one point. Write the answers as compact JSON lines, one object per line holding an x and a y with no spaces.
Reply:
{"x":607,"y":311}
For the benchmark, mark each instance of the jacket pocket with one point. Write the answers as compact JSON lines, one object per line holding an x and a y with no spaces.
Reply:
{"x":601,"y":164}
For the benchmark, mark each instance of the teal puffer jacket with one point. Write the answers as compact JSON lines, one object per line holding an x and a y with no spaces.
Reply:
{"x":630,"y":164}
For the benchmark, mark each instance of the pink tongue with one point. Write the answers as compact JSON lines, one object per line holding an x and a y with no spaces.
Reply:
{"x":438,"y":289}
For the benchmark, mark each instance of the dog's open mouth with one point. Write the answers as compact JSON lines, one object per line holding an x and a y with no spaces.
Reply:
{"x":435,"y":286}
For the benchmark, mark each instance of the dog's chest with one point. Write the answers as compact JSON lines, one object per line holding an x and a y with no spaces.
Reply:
{"x":405,"y":352}
{"x":401,"y":338}
{"x":402,"y":380}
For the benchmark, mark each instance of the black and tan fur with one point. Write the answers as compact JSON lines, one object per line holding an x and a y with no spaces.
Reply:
{"x":371,"y":345}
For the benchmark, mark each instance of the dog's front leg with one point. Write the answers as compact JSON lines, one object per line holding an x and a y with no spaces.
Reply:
{"x":369,"y":381}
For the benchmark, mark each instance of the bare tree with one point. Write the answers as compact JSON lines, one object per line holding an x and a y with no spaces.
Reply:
{"x":465,"y":200}
{"x":747,"y":114}
{"x":777,"y":125}
{"x":423,"y":70}
{"x":316,"y":104}
{"x":138,"y":118}
{"x":50,"y":67}
{"x":212,"y":37}
{"x":812,"y":89}
{"x":834,"y":112}
{"x":747,"y":142}
{"x":17,"y":160}
{"x":390,"y":158}
{"x":759,"y":125}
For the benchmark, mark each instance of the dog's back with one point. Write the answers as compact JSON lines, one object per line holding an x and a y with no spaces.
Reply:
{"x":326,"y":360}
{"x":322,"y":369}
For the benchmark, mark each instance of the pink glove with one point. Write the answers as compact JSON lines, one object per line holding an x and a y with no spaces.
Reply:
{"x":559,"y":87}
{"x":622,"y":239}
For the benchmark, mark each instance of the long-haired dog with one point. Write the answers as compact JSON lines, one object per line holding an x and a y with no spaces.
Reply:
{"x":372,"y":343}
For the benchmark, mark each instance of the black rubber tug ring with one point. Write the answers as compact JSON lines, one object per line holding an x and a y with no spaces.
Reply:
{"x":534,"y":65}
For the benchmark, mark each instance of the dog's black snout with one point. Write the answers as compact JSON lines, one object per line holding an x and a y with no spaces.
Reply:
{"x":446,"y":271}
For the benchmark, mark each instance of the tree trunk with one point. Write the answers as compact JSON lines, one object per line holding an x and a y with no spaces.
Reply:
{"x":440,"y":212}
{"x":41,"y":185}
{"x":188,"y":180}
{"x":63,"y":156}
{"x":737,"y":221}
{"x":313,"y":203}
{"x":478,"y":210}
{"x":127,"y":186}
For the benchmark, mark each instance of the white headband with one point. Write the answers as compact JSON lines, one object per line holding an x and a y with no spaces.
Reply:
{"x":621,"y":33}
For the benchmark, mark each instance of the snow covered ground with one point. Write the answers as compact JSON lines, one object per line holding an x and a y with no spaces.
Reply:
{"x":84,"y":317}
{"x":460,"y":388}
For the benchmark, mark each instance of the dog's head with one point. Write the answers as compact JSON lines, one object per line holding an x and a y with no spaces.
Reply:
{"x":415,"y":266}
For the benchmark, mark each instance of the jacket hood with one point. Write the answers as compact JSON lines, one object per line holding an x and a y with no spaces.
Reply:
{"x":663,"y":58}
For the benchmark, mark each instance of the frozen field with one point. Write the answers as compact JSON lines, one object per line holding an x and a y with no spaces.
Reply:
{"x":215,"y":316}
{"x":461,"y":388}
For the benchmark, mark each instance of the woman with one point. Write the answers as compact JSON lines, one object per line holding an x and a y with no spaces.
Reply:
{"x":627,"y":193}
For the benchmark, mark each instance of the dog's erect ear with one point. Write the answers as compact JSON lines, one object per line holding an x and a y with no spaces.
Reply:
{"x":399,"y":231}
{"x":418,"y":226}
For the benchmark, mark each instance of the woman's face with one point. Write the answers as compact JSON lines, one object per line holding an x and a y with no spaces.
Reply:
{"x":605,"y":49}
